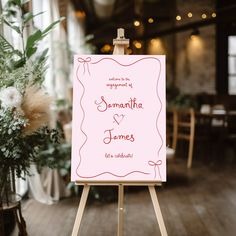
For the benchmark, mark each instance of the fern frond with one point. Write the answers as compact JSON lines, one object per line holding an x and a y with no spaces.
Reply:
{"x":5,"y":46}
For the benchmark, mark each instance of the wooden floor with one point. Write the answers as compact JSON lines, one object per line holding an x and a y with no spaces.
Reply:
{"x":196,"y":202}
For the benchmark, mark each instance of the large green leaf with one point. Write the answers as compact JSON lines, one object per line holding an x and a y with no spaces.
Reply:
{"x":33,"y":39}
{"x":37,"y":36}
{"x":14,"y":27}
{"x":16,"y":2}
{"x":29,"y":16}
{"x":18,"y":63}
{"x":43,"y":56}
{"x":18,"y":53}
{"x":30,"y":51}
{"x":47,"y":30}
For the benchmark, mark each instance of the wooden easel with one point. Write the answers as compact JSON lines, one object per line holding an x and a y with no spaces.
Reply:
{"x":120,"y":46}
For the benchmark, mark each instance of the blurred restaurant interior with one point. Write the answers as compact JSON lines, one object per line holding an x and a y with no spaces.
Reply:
{"x":199,"y":41}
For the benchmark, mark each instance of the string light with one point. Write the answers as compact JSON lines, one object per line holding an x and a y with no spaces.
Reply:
{"x":190,"y":14}
{"x":137,"y":44}
{"x":106,"y":48}
{"x":150,"y":20}
{"x":178,"y":17}
{"x":136,"y":23}
{"x":80,"y":14}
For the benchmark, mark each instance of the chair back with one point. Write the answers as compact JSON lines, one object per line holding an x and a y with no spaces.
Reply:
{"x":171,"y":128}
{"x":185,"y":124}
{"x":186,"y":130}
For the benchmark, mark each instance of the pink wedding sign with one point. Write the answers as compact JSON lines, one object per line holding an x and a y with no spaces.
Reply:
{"x":119,"y":118}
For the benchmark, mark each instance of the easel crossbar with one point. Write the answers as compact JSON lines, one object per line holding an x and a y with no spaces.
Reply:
{"x":111,"y":183}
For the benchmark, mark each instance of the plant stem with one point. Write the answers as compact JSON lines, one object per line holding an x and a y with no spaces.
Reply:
{"x":22,"y":34}
{"x":3,"y":181}
{"x":3,"y":184}
{"x":23,"y":44}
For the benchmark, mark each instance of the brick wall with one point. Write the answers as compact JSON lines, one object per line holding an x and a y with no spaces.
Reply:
{"x":195,"y":57}
{"x":195,"y":61}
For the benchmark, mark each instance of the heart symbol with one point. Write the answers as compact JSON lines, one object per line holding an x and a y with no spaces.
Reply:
{"x":118,"y":118}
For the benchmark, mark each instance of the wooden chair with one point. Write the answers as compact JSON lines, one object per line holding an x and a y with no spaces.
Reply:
{"x":185,"y":130}
{"x":230,"y":134}
{"x":171,"y":128}
{"x":171,"y":132}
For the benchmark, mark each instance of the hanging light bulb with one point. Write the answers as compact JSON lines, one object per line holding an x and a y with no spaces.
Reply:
{"x":190,"y":14}
{"x":136,"y":23}
{"x":106,"y":48}
{"x":178,"y":17}
{"x":137,"y":44}
{"x":150,"y":20}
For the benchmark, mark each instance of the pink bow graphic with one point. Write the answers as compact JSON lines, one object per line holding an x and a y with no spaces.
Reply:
{"x":85,"y":63}
{"x":156,"y":165}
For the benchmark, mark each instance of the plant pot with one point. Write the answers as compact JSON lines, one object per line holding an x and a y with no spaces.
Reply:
{"x":8,"y":220}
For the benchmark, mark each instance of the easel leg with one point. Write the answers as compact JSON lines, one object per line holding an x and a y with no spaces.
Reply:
{"x":120,"y":210}
{"x":80,"y":211}
{"x":157,"y":210}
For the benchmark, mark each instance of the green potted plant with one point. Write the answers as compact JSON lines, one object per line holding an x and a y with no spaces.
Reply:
{"x":24,"y":105}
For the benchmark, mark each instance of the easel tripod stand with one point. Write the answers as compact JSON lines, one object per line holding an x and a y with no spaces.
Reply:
{"x":120,"y":45}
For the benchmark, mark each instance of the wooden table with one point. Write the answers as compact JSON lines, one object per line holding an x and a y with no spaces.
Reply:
{"x":208,"y":118}
{"x":217,"y":128}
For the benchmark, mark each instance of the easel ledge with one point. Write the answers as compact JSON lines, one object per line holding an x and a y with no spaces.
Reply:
{"x":116,"y":183}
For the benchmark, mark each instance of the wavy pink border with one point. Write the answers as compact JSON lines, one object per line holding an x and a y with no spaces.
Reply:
{"x":155,"y":164}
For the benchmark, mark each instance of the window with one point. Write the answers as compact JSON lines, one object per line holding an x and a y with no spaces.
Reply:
{"x":232,"y":65}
